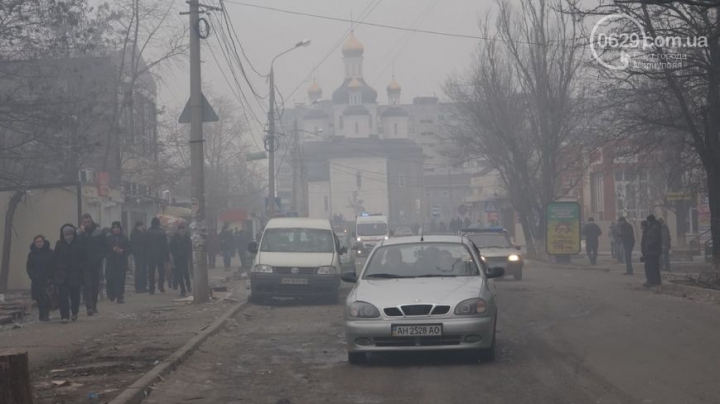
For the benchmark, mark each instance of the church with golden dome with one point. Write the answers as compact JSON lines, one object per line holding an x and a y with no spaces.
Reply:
{"x":349,"y":153}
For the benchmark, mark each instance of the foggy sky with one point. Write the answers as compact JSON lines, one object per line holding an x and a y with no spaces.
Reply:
{"x":421,"y":61}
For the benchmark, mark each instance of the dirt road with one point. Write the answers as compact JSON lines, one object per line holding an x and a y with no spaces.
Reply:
{"x":565,"y":336}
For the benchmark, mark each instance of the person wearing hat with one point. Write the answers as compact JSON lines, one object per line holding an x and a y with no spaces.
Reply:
{"x":69,"y":269}
{"x":157,"y":254}
{"x":181,"y":250}
{"x":93,"y":238}
{"x":39,"y":268}
{"x":117,"y":251}
{"x":651,"y":246}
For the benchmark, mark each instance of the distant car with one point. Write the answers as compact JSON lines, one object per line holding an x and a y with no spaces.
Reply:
{"x":403,"y":231}
{"x":497,"y":249}
{"x":422,"y":293}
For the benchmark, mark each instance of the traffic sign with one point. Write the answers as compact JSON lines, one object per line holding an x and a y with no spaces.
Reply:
{"x":678,"y":196}
{"x":208,"y":114}
{"x":490,"y":206}
{"x":436,"y":211}
{"x":256,"y":156}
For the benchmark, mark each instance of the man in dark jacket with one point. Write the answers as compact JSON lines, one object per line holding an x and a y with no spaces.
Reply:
{"x":241,"y":247}
{"x":156,"y":249}
{"x":39,"y":269}
{"x":592,"y":234}
{"x":69,"y":269}
{"x":651,"y":250}
{"x":181,"y":250}
{"x":118,"y":250}
{"x":227,"y":245}
{"x":92,"y":237}
{"x":626,"y":235}
{"x":137,"y":245}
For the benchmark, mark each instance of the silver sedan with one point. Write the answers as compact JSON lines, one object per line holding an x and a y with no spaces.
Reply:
{"x":422,"y":293}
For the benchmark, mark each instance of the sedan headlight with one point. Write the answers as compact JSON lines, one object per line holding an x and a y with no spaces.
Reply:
{"x":327,"y":270}
{"x":513,"y":258}
{"x":470,"y":307}
{"x":363,"y":310}
{"x":265,"y":269}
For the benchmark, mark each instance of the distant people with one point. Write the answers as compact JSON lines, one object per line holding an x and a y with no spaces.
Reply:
{"x":241,"y":245}
{"x":137,"y":246}
{"x":651,"y":246}
{"x":39,"y":269}
{"x":592,"y":234}
{"x":666,"y":244}
{"x":227,"y":245}
{"x":611,"y":237}
{"x":443,"y":229}
{"x":69,"y":268}
{"x":467,"y":223}
{"x":157,"y":254}
{"x":118,"y":249}
{"x":627,"y":237}
{"x":92,"y":236}
{"x":213,"y":247}
{"x":181,"y":250}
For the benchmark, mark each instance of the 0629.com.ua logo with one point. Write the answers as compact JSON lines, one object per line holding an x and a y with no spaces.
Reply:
{"x":619,"y":41}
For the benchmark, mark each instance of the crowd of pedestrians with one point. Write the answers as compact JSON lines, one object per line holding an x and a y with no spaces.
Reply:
{"x":83,"y":256}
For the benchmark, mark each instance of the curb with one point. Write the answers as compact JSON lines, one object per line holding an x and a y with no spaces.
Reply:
{"x":141,"y":389}
{"x":689,"y":292}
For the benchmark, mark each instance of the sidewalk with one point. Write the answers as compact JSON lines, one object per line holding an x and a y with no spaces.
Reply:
{"x":102,"y":354}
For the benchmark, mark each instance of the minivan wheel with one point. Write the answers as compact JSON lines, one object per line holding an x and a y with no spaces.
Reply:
{"x":357,"y":358}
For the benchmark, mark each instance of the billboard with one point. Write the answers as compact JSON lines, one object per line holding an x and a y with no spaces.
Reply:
{"x":562,"y":228}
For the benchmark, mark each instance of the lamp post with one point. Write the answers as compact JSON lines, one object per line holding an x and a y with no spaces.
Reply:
{"x":271,"y":144}
{"x":299,"y":196}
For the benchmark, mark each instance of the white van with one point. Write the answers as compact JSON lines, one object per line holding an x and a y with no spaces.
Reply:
{"x":296,"y":257}
{"x":370,"y":230}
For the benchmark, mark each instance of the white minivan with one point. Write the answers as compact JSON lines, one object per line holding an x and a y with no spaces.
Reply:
{"x":296,"y":257}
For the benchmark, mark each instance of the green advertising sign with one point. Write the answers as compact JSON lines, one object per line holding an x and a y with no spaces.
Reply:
{"x":562,"y":228}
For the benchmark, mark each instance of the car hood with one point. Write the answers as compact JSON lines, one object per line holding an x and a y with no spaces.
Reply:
{"x":498,"y":252}
{"x":392,"y":292}
{"x":286,"y":259}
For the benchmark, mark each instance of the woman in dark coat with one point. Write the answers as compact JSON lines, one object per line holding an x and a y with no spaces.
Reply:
{"x":39,"y":268}
{"x":69,"y":267}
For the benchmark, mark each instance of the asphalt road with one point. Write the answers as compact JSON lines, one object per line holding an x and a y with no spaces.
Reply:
{"x":564,"y":336}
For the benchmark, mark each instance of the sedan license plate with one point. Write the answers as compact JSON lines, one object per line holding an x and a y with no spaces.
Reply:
{"x":294,"y":281}
{"x":428,"y":330}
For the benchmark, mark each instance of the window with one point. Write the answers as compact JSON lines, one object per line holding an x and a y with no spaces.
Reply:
{"x":401,"y":180}
{"x":596,"y":192}
{"x":298,"y":241}
{"x":327,"y":204}
{"x":395,"y":128}
{"x":358,"y":179}
{"x":357,"y":128}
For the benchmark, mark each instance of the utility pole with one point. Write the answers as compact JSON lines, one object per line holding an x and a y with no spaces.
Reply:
{"x":197,"y":161}
{"x":270,"y":146}
{"x":296,"y":168}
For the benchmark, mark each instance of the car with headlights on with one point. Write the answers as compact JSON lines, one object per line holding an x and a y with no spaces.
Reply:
{"x":422,"y":293}
{"x":497,"y":249}
{"x":298,"y":258}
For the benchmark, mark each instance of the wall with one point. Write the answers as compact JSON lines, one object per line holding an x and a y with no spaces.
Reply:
{"x":317,"y":192}
{"x":41,"y":212}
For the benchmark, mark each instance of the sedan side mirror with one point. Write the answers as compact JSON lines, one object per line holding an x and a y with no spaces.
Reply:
{"x":350,"y":277}
{"x":495,"y":272}
{"x":253,"y":247}
{"x":343,"y":250}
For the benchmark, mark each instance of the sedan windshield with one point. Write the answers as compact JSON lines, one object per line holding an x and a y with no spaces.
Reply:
{"x":489,"y":240}
{"x":421,"y":260}
{"x":298,"y":241}
{"x":372,"y":229}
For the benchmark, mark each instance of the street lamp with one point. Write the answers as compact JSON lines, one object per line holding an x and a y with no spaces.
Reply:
{"x":271,"y":144}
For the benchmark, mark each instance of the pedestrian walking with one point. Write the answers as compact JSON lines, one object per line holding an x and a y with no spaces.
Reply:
{"x":242,"y":243}
{"x":157,"y":254}
{"x":70,"y":265}
{"x":137,"y":246}
{"x":666,"y":245}
{"x":118,"y":249}
{"x":213,"y":247}
{"x":611,"y":236}
{"x":181,"y":250}
{"x":627,"y":237}
{"x":91,"y":235}
{"x":227,"y":245}
{"x":39,"y":269}
{"x":592,"y":234}
{"x":467,"y":222}
{"x":651,"y":246}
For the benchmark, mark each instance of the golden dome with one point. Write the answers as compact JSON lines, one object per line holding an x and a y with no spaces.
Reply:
{"x":393,"y":86}
{"x":314,"y":88}
{"x":354,"y":84}
{"x":352,"y":46}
